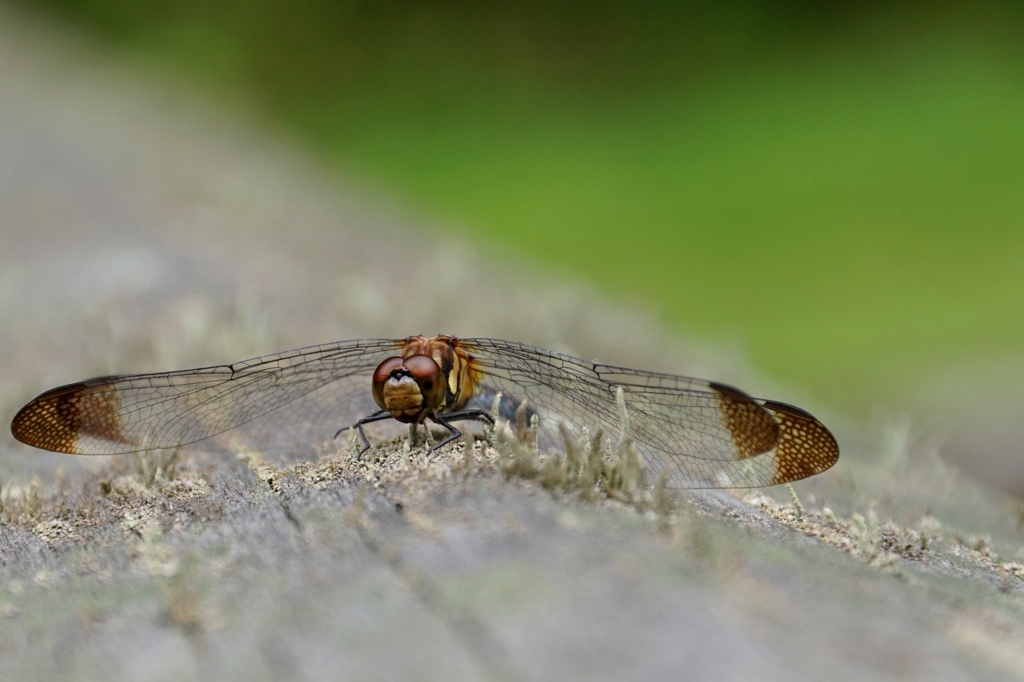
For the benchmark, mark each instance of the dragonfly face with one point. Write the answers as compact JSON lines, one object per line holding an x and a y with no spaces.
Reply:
{"x":700,"y":434}
{"x":409,"y":389}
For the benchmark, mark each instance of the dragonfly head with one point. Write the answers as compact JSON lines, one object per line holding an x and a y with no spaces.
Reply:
{"x":409,"y":387}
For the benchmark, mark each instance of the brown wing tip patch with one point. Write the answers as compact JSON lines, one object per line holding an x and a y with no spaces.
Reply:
{"x":58,"y":418}
{"x":805,"y":446}
{"x":753,"y":429}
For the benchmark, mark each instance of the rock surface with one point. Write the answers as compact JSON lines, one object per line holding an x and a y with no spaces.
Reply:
{"x":142,"y":230}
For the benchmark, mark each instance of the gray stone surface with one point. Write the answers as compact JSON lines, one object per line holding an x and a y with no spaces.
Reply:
{"x":141,"y":229}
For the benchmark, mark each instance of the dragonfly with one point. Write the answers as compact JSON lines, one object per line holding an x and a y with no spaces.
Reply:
{"x":695,"y":433}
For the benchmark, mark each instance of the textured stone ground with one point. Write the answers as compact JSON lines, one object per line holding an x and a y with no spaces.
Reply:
{"x":144,"y":230}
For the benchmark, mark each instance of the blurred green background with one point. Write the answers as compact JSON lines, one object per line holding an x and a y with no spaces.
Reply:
{"x":838,"y":186}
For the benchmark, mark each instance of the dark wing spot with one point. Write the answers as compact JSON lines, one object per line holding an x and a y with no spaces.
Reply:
{"x":805,"y":446}
{"x":753,"y":430}
{"x":55,"y":420}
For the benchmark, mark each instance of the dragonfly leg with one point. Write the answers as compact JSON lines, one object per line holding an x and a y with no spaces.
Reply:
{"x":474,"y":413}
{"x":380,"y":415}
{"x":454,"y":433}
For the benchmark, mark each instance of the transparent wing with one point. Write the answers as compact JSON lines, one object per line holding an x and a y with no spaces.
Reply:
{"x":705,"y":435}
{"x":290,"y":398}
{"x":701,"y":433}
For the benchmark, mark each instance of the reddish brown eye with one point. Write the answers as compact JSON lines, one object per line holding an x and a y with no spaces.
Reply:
{"x":380,"y":377}
{"x":422,"y":367}
{"x":429,"y":377}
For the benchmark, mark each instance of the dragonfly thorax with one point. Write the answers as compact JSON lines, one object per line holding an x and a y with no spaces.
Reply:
{"x":456,"y":366}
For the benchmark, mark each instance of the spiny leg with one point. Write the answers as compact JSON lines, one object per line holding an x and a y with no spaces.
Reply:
{"x":380,"y":415}
{"x":474,"y":413}
{"x":454,"y":433}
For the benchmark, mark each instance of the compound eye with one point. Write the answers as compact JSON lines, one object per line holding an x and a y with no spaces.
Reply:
{"x":381,"y":376}
{"x":429,"y":377}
